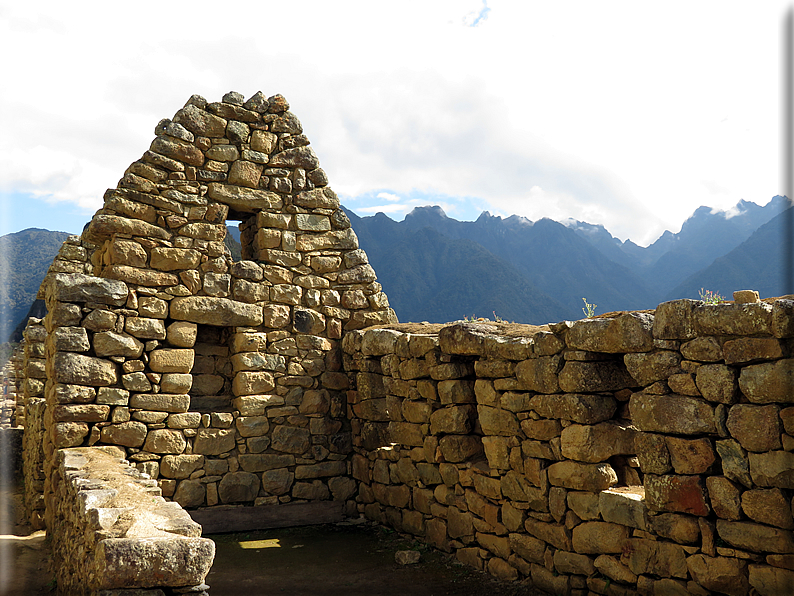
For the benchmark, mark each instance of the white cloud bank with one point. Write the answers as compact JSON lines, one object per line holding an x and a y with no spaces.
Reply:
{"x":625,"y":114}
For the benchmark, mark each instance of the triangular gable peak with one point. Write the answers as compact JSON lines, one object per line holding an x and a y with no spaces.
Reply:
{"x":249,"y":161}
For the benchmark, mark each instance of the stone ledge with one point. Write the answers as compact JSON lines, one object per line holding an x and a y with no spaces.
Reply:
{"x":112,"y":529}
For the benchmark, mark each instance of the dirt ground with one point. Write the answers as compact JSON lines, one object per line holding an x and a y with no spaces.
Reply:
{"x":345,"y":559}
{"x":24,"y":558}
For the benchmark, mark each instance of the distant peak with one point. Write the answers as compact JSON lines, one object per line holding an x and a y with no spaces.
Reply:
{"x":427,"y":210}
{"x":519,"y":220}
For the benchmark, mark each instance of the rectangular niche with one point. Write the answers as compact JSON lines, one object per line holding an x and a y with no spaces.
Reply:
{"x":212,"y":371}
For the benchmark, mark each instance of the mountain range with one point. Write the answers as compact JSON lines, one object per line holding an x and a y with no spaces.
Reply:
{"x":437,"y":269}
{"x":562,"y":264}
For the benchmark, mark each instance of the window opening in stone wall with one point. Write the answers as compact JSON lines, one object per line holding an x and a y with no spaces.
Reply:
{"x":232,"y":239}
{"x":212,"y":371}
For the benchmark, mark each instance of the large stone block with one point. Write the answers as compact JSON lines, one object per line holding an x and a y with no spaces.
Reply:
{"x":757,"y":428}
{"x":452,"y":419}
{"x":629,"y":332}
{"x":657,"y":558}
{"x":595,"y":537}
{"x":252,"y":383}
{"x":540,"y":374}
{"x":683,"y":529}
{"x":459,"y":448}
{"x":735,"y":464}
{"x":771,"y":581}
{"x":675,"y":414}
{"x":597,"y":443}
{"x":768,"y":382}
{"x":290,"y":439}
{"x":675,"y":320}
{"x":651,"y":450}
{"x":647,"y":368}
{"x":190,"y":493}
{"x":238,"y":487}
{"x":171,"y":360}
{"x":748,"y":349}
{"x":160,"y":402}
{"x":264,"y":462}
{"x":165,"y":440}
{"x":775,"y":468}
{"x":68,"y":367}
{"x":214,"y":441}
{"x":127,"y":434}
{"x":71,"y":339}
{"x":683,"y":494}
{"x":457,"y":391}
{"x":76,"y":287}
{"x":768,"y":506}
{"x":690,"y":456}
{"x":134,"y":562}
{"x":783,"y":318}
{"x":555,"y":534}
{"x":108,"y":343}
{"x":140,"y":276}
{"x":579,"y":476}
{"x":173,"y":259}
{"x":717,"y":382}
{"x":733,"y":319}
{"x":180,"y":466}
{"x":495,"y":421}
{"x":605,"y":375}
{"x":80,"y":413}
{"x":755,"y":537}
{"x":576,"y":407}
{"x":624,"y":506}
{"x":210,"y":310}
{"x":252,"y":426}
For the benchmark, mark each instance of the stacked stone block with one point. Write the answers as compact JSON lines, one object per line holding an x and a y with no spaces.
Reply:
{"x":114,"y":534}
{"x":643,"y":453}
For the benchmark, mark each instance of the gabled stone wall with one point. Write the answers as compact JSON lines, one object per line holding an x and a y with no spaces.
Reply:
{"x":220,"y":379}
{"x":645,"y":453}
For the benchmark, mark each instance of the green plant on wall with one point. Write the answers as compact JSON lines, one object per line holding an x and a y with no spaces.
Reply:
{"x":588,"y":309}
{"x":710,"y":297}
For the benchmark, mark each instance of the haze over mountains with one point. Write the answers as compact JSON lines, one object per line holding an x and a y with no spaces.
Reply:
{"x":568,"y":261}
{"x":437,"y":269}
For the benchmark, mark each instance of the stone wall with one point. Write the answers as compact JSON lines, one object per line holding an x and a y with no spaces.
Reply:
{"x":220,"y":379}
{"x":644,"y":453}
{"x":30,"y":378}
{"x":113,"y":533}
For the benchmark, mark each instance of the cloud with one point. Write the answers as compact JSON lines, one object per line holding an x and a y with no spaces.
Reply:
{"x":489,"y":106}
{"x":385,"y":209}
{"x":387,"y":196}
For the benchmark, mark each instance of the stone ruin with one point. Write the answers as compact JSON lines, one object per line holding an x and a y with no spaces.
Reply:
{"x":637,"y":453}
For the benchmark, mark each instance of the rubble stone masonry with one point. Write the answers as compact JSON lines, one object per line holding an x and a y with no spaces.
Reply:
{"x":640,"y":453}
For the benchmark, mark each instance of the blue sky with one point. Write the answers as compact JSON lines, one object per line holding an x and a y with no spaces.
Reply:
{"x":626,"y":114}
